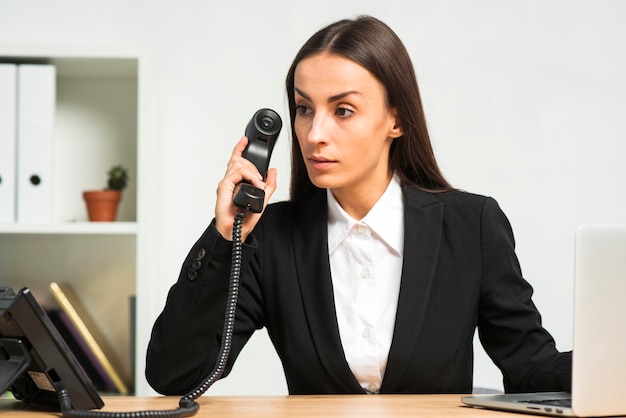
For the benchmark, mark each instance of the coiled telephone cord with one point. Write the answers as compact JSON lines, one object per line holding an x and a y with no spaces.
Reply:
{"x":187,"y":405}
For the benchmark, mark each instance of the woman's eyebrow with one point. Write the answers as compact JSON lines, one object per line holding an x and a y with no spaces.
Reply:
{"x":331,"y":99}
{"x":301,"y":93}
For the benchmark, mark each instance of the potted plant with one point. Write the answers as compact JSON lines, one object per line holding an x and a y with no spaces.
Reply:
{"x":102,"y":204}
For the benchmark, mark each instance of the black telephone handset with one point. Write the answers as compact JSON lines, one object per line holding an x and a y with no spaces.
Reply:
{"x":262,"y":132}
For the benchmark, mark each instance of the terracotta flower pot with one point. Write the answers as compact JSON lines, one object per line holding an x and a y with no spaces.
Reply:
{"x":102,"y":204}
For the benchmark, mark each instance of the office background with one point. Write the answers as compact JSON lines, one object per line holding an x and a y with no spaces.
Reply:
{"x":525,"y":101}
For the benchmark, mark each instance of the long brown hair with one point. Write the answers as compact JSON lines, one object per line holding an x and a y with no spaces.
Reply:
{"x":373,"y":45}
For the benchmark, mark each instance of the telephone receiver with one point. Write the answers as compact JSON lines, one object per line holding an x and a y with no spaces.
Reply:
{"x":262,"y":132}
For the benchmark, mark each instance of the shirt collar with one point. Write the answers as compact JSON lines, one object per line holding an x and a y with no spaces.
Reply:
{"x":385,"y":219}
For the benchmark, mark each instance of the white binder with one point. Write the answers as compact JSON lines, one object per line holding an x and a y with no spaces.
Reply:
{"x":36,"y":104}
{"x":8,"y":97}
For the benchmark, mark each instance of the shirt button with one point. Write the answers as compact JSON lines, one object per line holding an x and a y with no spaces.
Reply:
{"x":365,"y":273}
{"x":360,"y":229}
{"x":366,"y":333}
{"x":372,"y":387}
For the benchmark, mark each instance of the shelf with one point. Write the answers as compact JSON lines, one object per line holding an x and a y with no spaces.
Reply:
{"x":75,"y":61}
{"x":96,"y":126}
{"x":102,"y":103}
{"x":72,"y":228}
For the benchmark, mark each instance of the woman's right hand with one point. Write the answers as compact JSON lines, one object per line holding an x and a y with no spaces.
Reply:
{"x":238,"y":170}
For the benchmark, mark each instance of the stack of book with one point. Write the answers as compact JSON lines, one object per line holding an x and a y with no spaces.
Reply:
{"x":86,"y":342}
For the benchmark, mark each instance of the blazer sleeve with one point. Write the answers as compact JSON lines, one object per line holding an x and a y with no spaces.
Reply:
{"x":509,"y":324}
{"x":186,"y":336}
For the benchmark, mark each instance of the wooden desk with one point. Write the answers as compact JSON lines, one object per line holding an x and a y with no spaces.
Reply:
{"x":329,"y":406}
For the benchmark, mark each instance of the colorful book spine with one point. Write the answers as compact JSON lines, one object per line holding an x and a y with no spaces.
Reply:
{"x":79,"y":318}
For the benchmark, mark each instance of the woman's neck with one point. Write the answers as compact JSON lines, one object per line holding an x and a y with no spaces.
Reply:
{"x":358,"y":201}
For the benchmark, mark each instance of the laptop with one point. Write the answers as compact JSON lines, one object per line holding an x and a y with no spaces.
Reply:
{"x":599,"y":349}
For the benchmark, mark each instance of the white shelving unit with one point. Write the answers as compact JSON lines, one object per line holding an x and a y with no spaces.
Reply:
{"x":102,"y":119}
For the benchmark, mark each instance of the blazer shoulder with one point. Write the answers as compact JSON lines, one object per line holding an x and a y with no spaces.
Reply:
{"x":310,"y":209}
{"x":449,"y":198}
{"x":456,"y":204}
{"x":461,"y":197}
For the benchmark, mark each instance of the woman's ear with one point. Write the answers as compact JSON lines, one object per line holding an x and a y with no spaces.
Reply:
{"x":396,"y":130}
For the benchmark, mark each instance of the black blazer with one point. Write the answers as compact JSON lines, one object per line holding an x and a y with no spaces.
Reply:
{"x":460,"y":272}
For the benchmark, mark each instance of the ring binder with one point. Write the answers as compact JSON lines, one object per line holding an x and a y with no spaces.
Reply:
{"x":36,"y":102}
{"x":8,"y":97}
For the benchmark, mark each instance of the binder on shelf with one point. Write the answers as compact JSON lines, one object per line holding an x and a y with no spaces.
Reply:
{"x":78,"y":316}
{"x":8,"y":138}
{"x":36,"y":103}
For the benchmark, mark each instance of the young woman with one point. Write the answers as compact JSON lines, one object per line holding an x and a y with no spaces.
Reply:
{"x":375,"y":275}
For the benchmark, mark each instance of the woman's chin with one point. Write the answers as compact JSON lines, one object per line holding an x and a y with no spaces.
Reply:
{"x":323,"y":182}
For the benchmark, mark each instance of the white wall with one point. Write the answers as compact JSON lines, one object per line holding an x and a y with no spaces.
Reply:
{"x":526,"y":102}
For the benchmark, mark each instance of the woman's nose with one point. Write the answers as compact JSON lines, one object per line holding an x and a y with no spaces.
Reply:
{"x":318,"y":131}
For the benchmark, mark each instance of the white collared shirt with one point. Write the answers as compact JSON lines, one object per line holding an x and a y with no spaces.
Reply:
{"x":366,"y":266}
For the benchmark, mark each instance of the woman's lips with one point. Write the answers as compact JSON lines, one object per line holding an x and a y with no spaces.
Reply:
{"x":321,"y":164}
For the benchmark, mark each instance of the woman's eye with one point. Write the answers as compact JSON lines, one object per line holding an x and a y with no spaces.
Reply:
{"x":344,"y":112}
{"x":302,"y":110}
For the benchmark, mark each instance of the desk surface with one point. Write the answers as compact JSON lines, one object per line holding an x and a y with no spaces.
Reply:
{"x":331,"y":406}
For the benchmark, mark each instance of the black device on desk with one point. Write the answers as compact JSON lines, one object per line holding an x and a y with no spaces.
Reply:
{"x":35,"y":363}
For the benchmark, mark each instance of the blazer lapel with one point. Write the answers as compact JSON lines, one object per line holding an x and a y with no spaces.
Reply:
{"x":313,"y":271}
{"x":422,"y":238}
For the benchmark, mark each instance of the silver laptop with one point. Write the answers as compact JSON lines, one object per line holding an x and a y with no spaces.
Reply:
{"x":599,"y":350}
